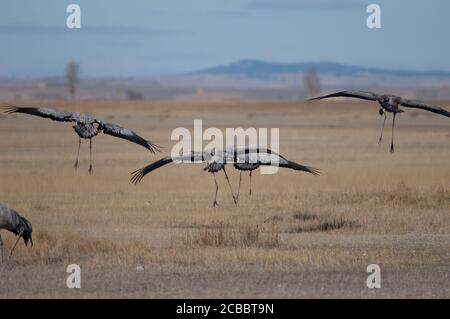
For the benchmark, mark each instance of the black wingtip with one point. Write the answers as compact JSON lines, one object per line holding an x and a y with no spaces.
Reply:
{"x":300,"y":167}
{"x":137,"y":176}
{"x":9,"y":109}
{"x":314,"y":171}
{"x":152,"y":147}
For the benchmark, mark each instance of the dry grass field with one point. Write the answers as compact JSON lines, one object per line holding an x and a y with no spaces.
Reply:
{"x":297,"y":236}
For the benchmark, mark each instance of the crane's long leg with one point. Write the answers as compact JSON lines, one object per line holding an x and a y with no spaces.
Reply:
{"x":392,"y":139}
{"x":90,"y":156}
{"x":78,"y":153}
{"x":382,"y":128}
{"x":1,"y":249}
{"x":14,"y":246}
{"x":229,"y":184}
{"x":217,"y":190}
{"x":250,"y":191}
{"x":239,"y":187}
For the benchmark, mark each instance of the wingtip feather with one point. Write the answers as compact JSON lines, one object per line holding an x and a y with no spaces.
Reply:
{"x":9,"y":109}
{"x":153,"y":147}
{"x":137,"y":176}
{"x":314,"y":171}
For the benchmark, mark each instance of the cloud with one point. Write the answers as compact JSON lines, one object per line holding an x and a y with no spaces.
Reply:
{"x":30,"y":29}
{"x":324,"y":5}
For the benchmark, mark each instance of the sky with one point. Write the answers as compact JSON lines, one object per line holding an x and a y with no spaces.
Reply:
{"x":161,"y":37}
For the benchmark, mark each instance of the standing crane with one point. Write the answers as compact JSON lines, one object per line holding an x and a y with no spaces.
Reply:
{"x":216,"y":160}
{"x":86,"y":126}
{"x":18,"y":225}
{"x":389,"y":104}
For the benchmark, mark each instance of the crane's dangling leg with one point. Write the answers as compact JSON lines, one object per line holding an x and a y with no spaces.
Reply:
{"x":217,"y":190}
{"x":392,"y":139}
{"x":239,"y":187}
{"x":250,"y":191}
{"x":78,"y":153}
{"x":90,"y":156}
{"x":14,"y":246}
{"x":1,"y":249}
{"x":382,"y":127}
{"x":229,"y":184}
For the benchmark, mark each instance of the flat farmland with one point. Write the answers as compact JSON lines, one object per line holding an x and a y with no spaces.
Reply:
{"x":297,"y":236}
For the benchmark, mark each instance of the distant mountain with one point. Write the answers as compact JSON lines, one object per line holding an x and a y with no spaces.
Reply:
{"x":258,"y":69}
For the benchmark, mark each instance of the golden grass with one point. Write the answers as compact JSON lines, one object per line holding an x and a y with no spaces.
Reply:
{"x":367,"y":206}
{"x":247,"y":235}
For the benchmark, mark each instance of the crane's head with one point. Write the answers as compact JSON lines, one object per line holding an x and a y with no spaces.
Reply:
{"x":27,"y":229}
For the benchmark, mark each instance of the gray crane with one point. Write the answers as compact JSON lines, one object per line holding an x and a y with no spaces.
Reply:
{"x":250,"y":167}
{"x":246,"y":163}
{"x":215,"y":163}
{"x":389,"y":103}
{"x":11,"y":220}
{"x":216,"y":160}
{"x":86,"y":126}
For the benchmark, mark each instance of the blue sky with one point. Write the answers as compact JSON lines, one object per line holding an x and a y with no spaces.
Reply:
{"x":154,"y":37}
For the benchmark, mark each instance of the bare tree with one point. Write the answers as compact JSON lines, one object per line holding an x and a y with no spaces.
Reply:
{"x":72,"y":69}
{"x":134,"y":95}
{"x":312,"y":82}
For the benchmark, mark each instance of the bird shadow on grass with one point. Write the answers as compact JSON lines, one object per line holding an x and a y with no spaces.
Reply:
{"x":325,"y":226}
{"x":306,"y":222}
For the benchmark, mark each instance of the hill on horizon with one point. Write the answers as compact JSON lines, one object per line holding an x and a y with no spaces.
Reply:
{"x":254,"y":68}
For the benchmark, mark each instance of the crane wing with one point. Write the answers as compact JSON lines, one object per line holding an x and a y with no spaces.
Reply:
{"x":139,"y":174}
{"x":56,"y":115}
{"x":271,"y":160}
{"x":232,"y":153}
{"x":364,"y":95}
{"x":127,"y":134}
{"x":423,"y":106}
